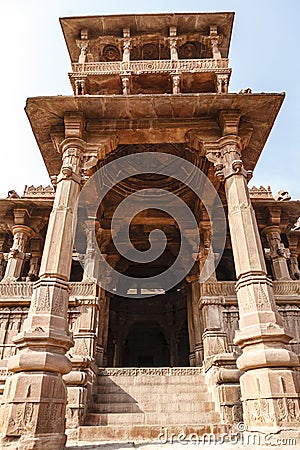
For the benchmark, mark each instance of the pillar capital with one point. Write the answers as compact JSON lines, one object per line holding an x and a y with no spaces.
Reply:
{"x":226,"y":155}
{"x":271,"y":229}
{"x":71,"y":144}
{"x":72,"y":150}
{"x":24,"y":229}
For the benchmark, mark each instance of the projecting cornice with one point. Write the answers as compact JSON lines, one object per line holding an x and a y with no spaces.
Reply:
{"x":155,"y":119}
{"x":110,"y":28}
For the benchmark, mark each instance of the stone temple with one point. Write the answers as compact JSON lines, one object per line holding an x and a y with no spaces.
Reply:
{"x":94,"y":343}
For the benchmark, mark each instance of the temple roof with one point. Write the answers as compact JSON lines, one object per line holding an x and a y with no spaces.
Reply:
{"x":140,"y":24}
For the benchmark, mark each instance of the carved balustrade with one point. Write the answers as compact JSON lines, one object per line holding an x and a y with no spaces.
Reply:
{"x":15,"y":299}
{"x":150,"y":66}
{"x":284,"y":290}
{"x":23,"y":290}
{"x":287,"y":294}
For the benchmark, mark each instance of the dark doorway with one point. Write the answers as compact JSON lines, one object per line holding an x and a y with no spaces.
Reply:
{"x":148,"y":332}
{"x":146,"y":346}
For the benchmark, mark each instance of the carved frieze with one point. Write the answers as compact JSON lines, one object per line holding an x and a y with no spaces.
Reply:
{"x":150,"y":371}
{"x":151,"y":66}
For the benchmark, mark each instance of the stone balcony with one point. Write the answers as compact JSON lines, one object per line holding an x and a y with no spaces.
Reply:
{"x":151,"y":66}
{"x":194,"y":75}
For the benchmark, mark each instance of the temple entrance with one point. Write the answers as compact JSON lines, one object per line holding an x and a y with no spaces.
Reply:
{"x":146,"y":346}
{"x":148,"y":332}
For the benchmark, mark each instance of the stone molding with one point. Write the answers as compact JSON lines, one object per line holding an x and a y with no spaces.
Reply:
{"x":38,"y":192}
{"x":152,"y":371}
{"x":261,"y":193}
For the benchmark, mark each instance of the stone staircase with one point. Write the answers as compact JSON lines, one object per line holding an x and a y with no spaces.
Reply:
{"x":138,"y":404}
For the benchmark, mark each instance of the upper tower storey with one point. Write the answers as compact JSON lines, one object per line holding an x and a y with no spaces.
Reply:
{"x":149,"y":53}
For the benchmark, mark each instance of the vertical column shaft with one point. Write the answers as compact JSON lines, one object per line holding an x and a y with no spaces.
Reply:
{"x":269,"y":382}
{"x":195,"y":319}
{"x":36,"y":384}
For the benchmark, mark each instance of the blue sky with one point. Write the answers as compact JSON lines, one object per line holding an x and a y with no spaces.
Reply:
{"x":264,"y":56}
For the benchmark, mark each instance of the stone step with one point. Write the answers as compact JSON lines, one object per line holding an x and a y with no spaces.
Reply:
{"x":115,"y":407}
{"x":147,"y":397}
{"x":154,"y":418}
{"x":156,"y":388}
{"x":151,"y":399}
{"x":125,"y":418}
{"x":158,"y":407}
{"x":143,"y":432}
{"x":155,"y":379}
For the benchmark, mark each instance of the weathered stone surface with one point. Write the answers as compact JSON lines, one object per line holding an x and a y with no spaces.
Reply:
{"x":101,"y":363}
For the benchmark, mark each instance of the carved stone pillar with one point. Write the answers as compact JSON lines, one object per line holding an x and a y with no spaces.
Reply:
{"x":173,"y":43}
{"x":222,"y":81}
{"x":219,"y":364}
{"x":294,"y":245}
{"x":214,"y":337}
{"x":278,"y":253}
{"x":126,"y":45}
{"x":125,"y":84}
{"x":35,"y":395}
{"x":36,"y":245}
{"x":190,"y":328}
{"x":193,"y":311}
{"x":80,"y":86}
{"x":214,"y":41}
{"x":105,"y":308}
{"x":16,"y":255}
{"x":91,"y":263}
{"x":176,"y":83}
{"x":2,"y":257}
{"x":270,"y":384}
{"x":80,"y":380}
{"x":85,"y":354}
{"x":207,"y":257}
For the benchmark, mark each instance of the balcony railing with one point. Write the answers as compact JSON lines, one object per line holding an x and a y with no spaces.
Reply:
{"x":227,"y":289}
{"x":24,"y":290}
{"x":151,"y":66}
{"x":85,"y":289}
